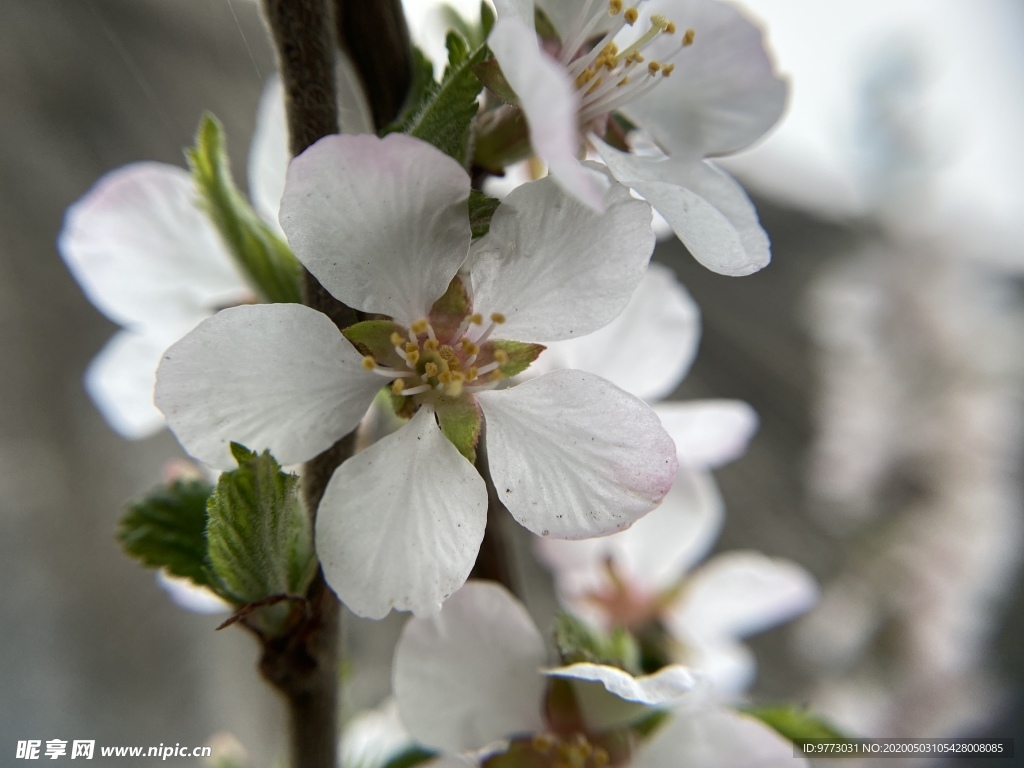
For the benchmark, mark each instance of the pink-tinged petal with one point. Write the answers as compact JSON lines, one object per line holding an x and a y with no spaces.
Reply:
{"x":648,"y":349}
{"x":401,"y":522}
{"x":716,"y":737}
{"x":145,"y":254}
{"x":554,"y":267}
{"x":708,"y":433}
{"x":724,"y":93}
{"x":741,"y":593}
{"x":707,"y":209}
{"x":268,"y":154}
{"x":652,"y":555}
{"x":610,"y":698}
{"x":471,"y":675}
{"x":120,"y":381}
{"x":271,"y":376}
{"x":381,"y":223}
{"x":573,"y":456}
{"x":551,"y":105}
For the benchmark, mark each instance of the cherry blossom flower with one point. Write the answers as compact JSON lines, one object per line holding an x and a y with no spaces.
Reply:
{"x":473,"y":684}
{"x":383,"y":225}
{"x":693,"y":75}
{"x":151,"y":260}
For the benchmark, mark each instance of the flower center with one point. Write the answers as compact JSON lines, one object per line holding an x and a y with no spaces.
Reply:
{"x":573,"y":752}
{"x":606,"y":77}
{"x":448,"y":368}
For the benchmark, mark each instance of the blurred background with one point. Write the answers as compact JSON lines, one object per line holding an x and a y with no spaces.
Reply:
{"x":881,"y":349}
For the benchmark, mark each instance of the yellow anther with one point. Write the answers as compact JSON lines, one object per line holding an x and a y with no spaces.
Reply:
{"x":445,"y":377}
{"x":369,"y":363}
{"x":397,"y":386}
{"x":396,"y":339}
{"x":688,"y":36}
{"x":450,"y":358}
{"x":469,"y":347}
{"x":476,"y":318}
{"x":497,"y":317}
{"x":638,"y":57}
{"x":413,"y":357}
{"x":500,"y":356}
{"x":653,"y":67}
{"x":411,"y":346}
{"x":670,"y":28}
{"x":430,"y":369}
{"x":600,"y":757}
{"x":581,"y":79}
{"x":458,"y":377}
{"x":614,"y":7}
{"x":472,"y":374}
{"x":631,"y":15}
{"x":595,"y":86}
{"x":420,"y":326}
{"x":496,"y":375}
{"x":659,"y":21}
{"x":624,"y":81}
{"x":666,"y":69}
{"x":543,"y":743}
{"x":431,"y":344}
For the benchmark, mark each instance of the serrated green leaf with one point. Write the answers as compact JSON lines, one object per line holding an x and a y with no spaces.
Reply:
{"x":798,"y":724}
{"x":577,"y":642}
{"x":259,"y":536}
{"x":167,"y":529}
{"x":460,"y":421}
{"x":520,"y":355}
{"x":446,"y":115}
{"x":481,"y":211}
{"x":472,"y":33}
{"x":421,"y":87}
{"x":264,"y":258}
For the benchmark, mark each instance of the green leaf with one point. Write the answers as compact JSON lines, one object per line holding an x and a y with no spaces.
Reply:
{"x":264,"y":258}
{"x":520,"y":355}
{"x":460,"y":421}
{"x":410,"y":757}
{"x":577,"y":642}
{"x":446,"y":115}
{"x":167,"y":529}
{"x":796,"y":723}
{"x":486,"y":19}
{"x":420,"y":89}
{"x":259,"y":534}
{"x":454,"y":20}
{"x":481,"y":210}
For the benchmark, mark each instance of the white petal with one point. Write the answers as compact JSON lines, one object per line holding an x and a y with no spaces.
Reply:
{"x":716,"y":738}
{"x":724,"y":94}
{"x":120,"y":381}
{"x":271,"y":376}
{"x":740,"y":593}
{"x":269,"y":154}
{"x":727,"y":664}
{"x":381,"y":223}
{"x":610,"y":698}
{"x":186,"y":594}
{"x":573,"y":456}
{"x":652,"y":555}
{"x":373,"y":738}
{"x":551,"y":105}
{"x":145,"y":254}
{"x":401,"y":523}
{"x":709,"y":212}
{"x":646,"y":350}
{"x":708,"y":433}
{"x":471,"y":675}
{"x":515,"y":9}
{"x":354,"y":114}
{"x":554,"y":267}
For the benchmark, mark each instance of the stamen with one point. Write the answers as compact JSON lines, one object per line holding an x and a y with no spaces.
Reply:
{"x":476,"y":318}
{"x":420,"y":326}
{"x":666,"y":70}
{"x":614,"y":7}
{"x":688,"y":37}
{"x":497,"y":317}
{"x":501,"y":356}
{"x":469,"y":347}
{"x":396,"y":339}
{"x":430,"y":370}
{"x":485,"y":369}
{"x":431,"y":344}
{"x":631,"y":15}
{"x":397,"y":386}
{"x":472,"y":374}
{"x":414,"y":390}
{"x":670,"y":28}
{"x":369,"y":363}
{"x":653,"y":67}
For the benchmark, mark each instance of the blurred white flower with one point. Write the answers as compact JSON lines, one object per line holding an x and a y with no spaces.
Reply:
{"x":570,"y":454}
{"x":472,"y":683}
{"x":612,"y":59}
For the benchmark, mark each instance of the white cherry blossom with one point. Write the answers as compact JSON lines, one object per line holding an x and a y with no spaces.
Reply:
{"x":693,"y":75}
{"x":383,"y":225}
{"x":473,"y":683}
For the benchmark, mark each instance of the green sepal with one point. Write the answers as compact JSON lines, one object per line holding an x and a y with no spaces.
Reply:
{"x":445,"y":115}
{"x":460,"y":420}
{"x":167,"y":529}
{"x":481,"y":211}
{"x":796,"y":723}
{"x":373,"y":337}
{"x":451,"y":309}
{"x":546,"y":30}
{"x":259,"y":536}
{"x":453,"y":20}
{"x":264,"y":258}
{"x":520,"y":355}
{"x":493,"y":78}
{"x":578,"y":642}
{"x":410,"y":757}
